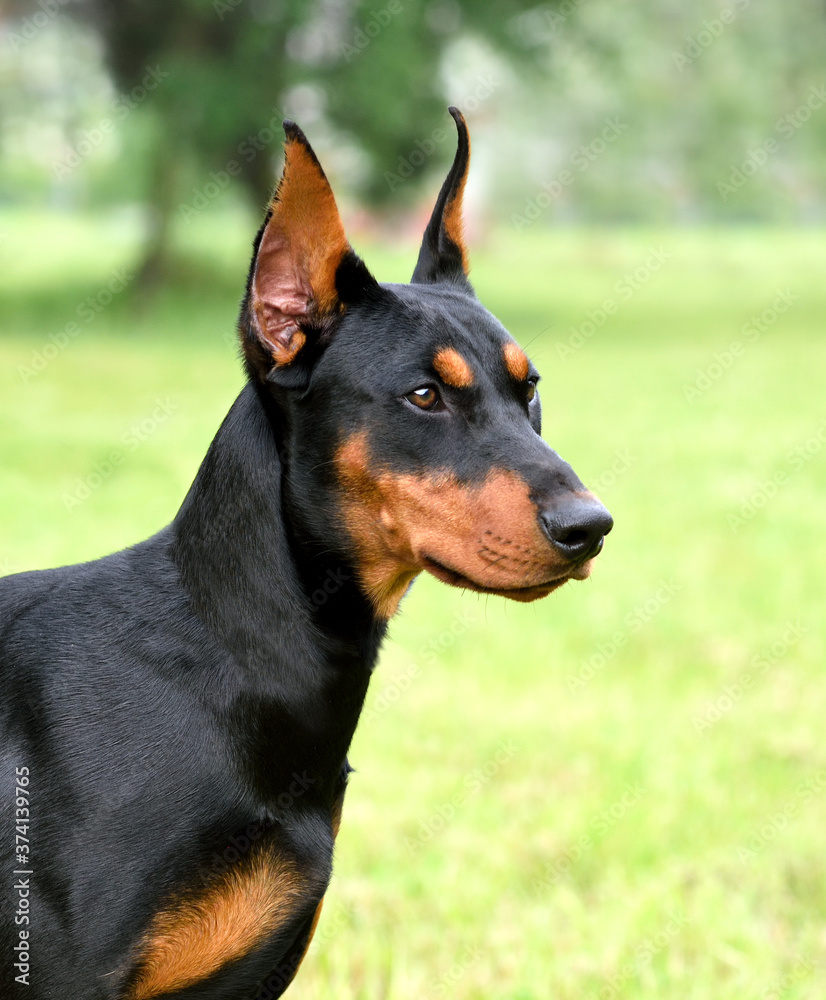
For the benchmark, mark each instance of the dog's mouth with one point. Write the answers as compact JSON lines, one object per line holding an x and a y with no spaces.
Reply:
{"x":532,"y":592}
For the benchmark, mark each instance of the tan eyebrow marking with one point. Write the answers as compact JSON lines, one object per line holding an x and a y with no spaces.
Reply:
{"x":452,"y":368}
{"x":515,"y":361}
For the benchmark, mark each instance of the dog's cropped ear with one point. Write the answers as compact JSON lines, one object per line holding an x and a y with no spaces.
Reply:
{"x":304,"y":273}
{"x":443,"y":256}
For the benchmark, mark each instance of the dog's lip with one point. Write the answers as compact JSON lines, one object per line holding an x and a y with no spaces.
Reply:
{"x":456,"y":579}
{"x":582,"y":570}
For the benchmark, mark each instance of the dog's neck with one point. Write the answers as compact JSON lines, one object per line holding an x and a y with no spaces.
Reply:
{"x":298,"y":629}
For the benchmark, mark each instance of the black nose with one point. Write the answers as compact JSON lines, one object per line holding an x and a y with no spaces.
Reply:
{"x":578,"y":527}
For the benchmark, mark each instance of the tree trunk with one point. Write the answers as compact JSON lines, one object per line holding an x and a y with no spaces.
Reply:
{"x":156,"y":264}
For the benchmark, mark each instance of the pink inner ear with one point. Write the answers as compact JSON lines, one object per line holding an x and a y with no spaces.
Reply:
{"x":281,"y":297}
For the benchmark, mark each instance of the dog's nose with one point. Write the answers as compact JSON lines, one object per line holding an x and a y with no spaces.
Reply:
{"x":578,"y":528}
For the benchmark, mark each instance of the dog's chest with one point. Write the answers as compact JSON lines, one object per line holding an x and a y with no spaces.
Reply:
{"x":265,"y":886}
{"x":198,"y":933}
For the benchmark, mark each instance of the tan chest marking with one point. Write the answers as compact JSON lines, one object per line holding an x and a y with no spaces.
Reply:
{"x":197,"y":936}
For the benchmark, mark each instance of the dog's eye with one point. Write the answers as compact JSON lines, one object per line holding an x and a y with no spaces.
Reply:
{"x":530,"y":389}
{"x":426,"y":397}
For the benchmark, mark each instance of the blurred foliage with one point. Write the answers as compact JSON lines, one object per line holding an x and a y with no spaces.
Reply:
{"x":212,"y":79}
{"x":214,"y":72}
{"x":580,"y":109}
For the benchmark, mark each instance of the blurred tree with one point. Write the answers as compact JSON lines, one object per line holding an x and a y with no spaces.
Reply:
{"x":214,"y":72}
{"x":655,"y":110}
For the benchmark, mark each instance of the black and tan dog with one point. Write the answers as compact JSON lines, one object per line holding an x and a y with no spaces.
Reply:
{"x":176,"y":717}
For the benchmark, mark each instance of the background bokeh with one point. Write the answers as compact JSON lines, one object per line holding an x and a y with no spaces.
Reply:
{"x":619,"y":792}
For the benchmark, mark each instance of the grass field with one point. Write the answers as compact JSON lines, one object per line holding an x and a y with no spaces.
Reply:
{"x":617,"y":792}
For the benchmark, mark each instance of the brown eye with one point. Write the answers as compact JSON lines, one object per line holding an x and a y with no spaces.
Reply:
{"x":530,"y":389}
{"x":426,"y":397}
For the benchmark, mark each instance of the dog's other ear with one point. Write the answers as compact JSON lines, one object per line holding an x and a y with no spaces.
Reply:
{"x":443,"y":256}
{"x":304,"y":272}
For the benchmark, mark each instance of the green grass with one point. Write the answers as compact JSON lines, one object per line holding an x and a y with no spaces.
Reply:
{"x":603,"y":794}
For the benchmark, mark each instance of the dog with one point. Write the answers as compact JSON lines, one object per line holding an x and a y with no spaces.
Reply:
{"x":177,"y":716}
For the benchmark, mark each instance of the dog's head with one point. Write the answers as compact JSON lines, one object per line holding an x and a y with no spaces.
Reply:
{"x":410,"y":417}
